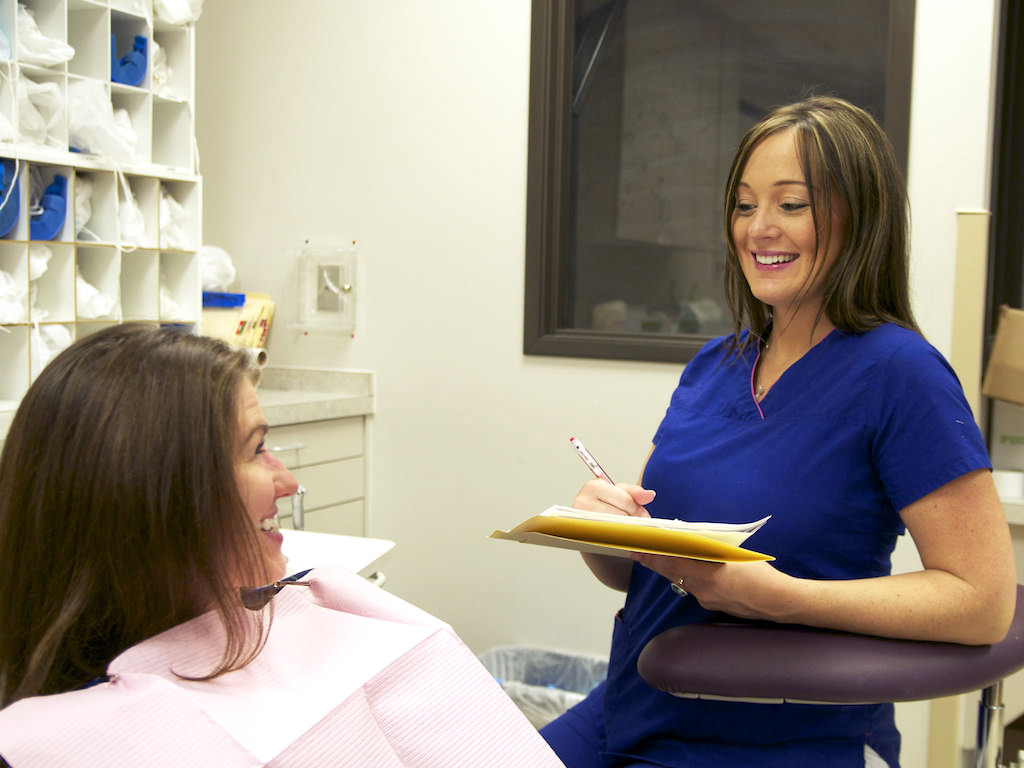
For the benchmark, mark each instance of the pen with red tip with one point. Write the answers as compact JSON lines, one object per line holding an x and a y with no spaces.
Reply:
{"x":590,"y":461}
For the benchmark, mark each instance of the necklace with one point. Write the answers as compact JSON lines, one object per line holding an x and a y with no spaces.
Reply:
{"x":761,"y":388}
{"x":759,"y":392}
{"x":764,"y":382}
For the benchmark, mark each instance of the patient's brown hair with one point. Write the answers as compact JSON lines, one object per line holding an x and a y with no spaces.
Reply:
{"x":119,"y":512}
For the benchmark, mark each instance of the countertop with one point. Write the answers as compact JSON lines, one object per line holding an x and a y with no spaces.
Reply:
{"x":309,"y":549}
{"x":292,"y":395}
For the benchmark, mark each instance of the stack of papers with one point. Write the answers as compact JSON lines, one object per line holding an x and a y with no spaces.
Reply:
{"x":611,"y":534}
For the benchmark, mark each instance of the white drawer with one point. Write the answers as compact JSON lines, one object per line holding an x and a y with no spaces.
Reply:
{"x":332,"y":482}
{"x":344,"y":519}
{"x":313,"y":442}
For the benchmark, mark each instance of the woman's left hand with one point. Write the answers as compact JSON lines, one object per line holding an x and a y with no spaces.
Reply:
{"x":744,"y":590}
{"x":965,"y":592}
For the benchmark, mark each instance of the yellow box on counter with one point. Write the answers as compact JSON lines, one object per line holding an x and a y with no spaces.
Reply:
{"x":1004,"y":374}
{"x":240,"y":319}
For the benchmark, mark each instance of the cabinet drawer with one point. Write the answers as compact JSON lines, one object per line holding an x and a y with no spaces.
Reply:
{"x":332,"y":482}
{"x":313,"y":442}
{"x":344,"y":519}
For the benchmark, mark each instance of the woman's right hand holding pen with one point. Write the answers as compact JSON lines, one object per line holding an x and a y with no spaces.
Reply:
{"x":620,"y":499}
{"x":605,"y":495}
{"x":602,"y":494}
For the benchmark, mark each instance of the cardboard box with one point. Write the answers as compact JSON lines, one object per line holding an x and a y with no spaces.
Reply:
{"x":1004,"y":375}
{"x":239,"y":319}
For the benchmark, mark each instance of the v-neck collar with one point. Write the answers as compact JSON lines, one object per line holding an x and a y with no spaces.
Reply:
{"x":757,"y":358}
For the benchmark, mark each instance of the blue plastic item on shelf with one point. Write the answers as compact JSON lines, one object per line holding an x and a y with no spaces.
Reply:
{"x":130,"y":69}
{"x":9,"y":196}
{"x":222,"y":300}
{"x":54,"y":203}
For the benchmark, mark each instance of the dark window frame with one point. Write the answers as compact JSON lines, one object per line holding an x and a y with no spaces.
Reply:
{"x":1006,"y":230}
{"x":548,"y":187}
{"x":1006,"y":241}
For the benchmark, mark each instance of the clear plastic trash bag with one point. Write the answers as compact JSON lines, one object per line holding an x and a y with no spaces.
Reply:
{"x":130,"y":219}
{"x":38,"y":261}
{"x":172,"y":221}
{"x":47,"y":341}
{"x":218,"y":272}
{"x":83,"y":206}
{"x":95,"y":126}
{"x":40,"y":112}
{"x":90,"y":301}
{"x":544,"y":683}
{"x":12,"y":299}
{"x":178,"y":11}
{"x":36,"y":48}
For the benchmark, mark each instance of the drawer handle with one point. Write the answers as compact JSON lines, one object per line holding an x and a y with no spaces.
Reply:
{"x":298,"y":513}
{"x":283,"y":448}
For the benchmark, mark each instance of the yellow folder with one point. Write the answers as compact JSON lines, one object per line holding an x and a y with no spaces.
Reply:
{"x":610,"y":534}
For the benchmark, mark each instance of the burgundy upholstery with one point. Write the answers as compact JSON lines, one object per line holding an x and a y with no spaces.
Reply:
{"x":788,"y":663}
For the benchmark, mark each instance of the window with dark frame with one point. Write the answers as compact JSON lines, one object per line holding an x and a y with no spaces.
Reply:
{"x":1006,"y":243}
{"x":636,"y":107}
{"x":1006,"y":233}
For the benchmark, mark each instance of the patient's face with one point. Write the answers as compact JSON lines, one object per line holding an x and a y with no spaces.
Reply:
{"x":262,"y":479}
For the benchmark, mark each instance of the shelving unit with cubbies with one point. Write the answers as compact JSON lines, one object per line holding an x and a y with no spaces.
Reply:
{"x":77,"y":111}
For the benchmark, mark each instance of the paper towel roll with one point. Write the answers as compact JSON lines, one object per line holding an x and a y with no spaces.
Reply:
{"x":258,"y":355}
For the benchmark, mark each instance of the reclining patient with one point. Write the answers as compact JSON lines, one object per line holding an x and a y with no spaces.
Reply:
{"x":145,"y":616}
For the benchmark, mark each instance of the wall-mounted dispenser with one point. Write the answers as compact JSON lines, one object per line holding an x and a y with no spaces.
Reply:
{"x":327,"y":288}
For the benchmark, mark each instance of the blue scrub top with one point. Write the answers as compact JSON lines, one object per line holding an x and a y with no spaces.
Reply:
{"x":861,"y":426}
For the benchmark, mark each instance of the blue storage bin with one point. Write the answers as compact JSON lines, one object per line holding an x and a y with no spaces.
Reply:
{"x":10,"y":193}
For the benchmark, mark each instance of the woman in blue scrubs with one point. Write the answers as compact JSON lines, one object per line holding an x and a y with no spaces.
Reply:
{"x":829,"y":411}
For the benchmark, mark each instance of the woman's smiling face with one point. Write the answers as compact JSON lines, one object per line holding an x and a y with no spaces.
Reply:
{"x":774,"y":230}
{"x":262,"y":480}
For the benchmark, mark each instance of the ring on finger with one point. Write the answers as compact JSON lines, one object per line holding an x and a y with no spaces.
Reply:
{"x":679,"y":586}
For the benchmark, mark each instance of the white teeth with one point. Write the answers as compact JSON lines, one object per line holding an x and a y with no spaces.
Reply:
{"x":775,"y":258}
{"x":269,"y":524}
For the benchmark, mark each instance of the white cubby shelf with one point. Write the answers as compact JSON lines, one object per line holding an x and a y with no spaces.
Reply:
{"x":125,"y":155}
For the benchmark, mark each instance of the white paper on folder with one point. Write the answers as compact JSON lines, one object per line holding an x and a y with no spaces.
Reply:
{"x":727,"y":533}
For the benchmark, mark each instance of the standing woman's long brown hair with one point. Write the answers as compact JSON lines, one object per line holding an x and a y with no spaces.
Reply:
{"x":119,"y":512}
{"x":844,"y":153}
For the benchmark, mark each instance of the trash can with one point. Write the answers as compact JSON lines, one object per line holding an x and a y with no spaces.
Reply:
{"x":544,"y":683}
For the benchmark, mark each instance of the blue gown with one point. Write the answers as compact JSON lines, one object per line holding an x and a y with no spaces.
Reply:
{"x":861,"y":426}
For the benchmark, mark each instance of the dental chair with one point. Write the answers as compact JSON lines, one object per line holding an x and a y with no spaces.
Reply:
{"x":773,"y":663}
